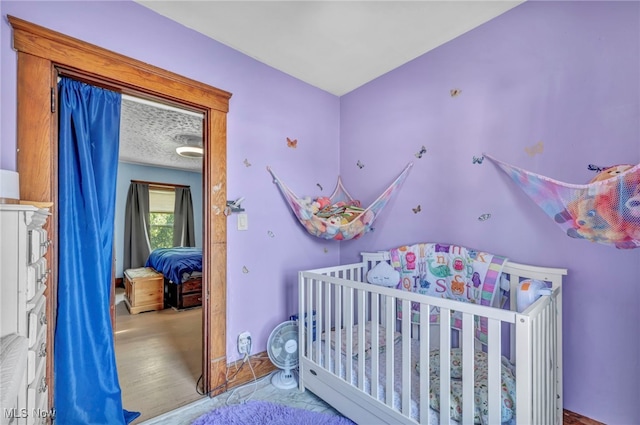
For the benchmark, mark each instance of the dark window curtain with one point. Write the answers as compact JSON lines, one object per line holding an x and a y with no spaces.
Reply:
{"x":87,"y":390}
{"x":137,"y":245}
{"x":183,"y":223}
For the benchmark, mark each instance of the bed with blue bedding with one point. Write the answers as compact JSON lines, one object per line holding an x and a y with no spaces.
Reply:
{"x":182,"y":271}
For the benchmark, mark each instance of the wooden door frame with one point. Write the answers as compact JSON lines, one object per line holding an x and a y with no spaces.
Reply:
{"x":40,"y":52}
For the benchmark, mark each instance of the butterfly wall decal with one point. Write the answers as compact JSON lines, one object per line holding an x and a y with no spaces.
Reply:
{"x":247,"y":163}
{"x":484,"y":217}
{"x":360,"y":164}
{"x":596,"y":168}
{"x":421,"y":152}
{"x":535,"y":149}
{"x":455,"y":92}
{"x":292,"y":143}
{"x":478,"y":160}
{"x":417,"y":209}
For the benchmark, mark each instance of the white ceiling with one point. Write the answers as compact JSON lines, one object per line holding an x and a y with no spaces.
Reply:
{"x":336,"y":46}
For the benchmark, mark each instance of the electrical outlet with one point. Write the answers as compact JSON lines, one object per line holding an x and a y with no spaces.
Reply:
{"x":244,"y":343}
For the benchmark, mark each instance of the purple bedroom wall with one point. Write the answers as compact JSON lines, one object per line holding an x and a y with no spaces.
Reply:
{"x":267,"y":106}
{"x":562,"y":73}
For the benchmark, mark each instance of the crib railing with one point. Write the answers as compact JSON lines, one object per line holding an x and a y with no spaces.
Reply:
{"x":339,"y":300}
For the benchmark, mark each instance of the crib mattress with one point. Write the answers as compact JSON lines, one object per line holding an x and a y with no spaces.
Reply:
{"x":434,"y":416}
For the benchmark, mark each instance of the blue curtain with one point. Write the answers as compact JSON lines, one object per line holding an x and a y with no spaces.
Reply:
{"x":87,"y":390}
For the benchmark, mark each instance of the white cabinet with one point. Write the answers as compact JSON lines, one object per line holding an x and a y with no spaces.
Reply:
{"x":23,"y":314}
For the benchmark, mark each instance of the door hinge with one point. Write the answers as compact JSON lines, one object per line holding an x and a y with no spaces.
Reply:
{"x":53,"y":100}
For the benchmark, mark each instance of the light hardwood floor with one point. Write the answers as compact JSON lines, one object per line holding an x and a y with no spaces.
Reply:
{"x":159,"y":358}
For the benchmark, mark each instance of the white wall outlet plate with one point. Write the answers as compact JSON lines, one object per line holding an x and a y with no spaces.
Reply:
{"x":244,"y":343}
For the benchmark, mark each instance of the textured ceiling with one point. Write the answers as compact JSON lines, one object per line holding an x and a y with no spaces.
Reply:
{"x":150,"y":135}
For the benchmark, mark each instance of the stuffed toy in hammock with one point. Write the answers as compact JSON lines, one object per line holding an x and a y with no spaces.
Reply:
{"x":606,"y":210}
{"x":339,"y":216}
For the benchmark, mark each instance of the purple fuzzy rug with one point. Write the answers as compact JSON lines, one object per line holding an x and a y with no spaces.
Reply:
{"x":265,"y":413}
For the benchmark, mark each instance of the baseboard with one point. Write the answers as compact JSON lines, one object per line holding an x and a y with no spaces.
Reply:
{"x":572,"y":418}
{"x":260,"y":363}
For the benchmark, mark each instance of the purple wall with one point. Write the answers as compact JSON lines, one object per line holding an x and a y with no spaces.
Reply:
{"x":267,"y":106}
{"x":564,"y":73}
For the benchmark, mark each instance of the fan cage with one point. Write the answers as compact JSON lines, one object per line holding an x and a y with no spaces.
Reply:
{"x":285,"y":331}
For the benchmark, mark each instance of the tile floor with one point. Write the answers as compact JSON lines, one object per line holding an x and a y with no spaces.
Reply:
{"x":260,"y":390}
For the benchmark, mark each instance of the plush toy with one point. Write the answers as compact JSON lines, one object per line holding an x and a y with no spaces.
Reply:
{"x":618,"y":202}
{"x":383,"y":274}
{"x":608,"y":215}
{"x":610,"y":172}
{"x":588,"y":223}
{"x":323,"y":201}
{"x":633,"y":203}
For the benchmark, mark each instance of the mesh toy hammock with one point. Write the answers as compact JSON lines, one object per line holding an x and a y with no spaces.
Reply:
{"x":606,"y":211}
{"x":330,"y":226}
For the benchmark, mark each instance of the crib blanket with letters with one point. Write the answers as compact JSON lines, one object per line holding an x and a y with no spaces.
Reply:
{"x":448,"y":271}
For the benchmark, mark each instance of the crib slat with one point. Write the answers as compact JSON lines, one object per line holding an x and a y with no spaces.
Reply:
{"x":553,"y":360}
{"x":318,"y":309}
{"x":514,"y":280}
{"x":348,"y":325}
{"x":544,"y":367}
{"x":375,"y":344}
{"x":308,"y":319}
{"x":425,"y":331}
{"x":406,"y":357}
{"x":327,"y":325}
{"x":337,"y":361}
{"x":390,"y":349}
{"x":301,"y":335}
{"x":494,"y":372}
{"x":445,"y":366}
{"x":361,"y":338}
{"x":468,"y":399}
{"x":537,"y":417}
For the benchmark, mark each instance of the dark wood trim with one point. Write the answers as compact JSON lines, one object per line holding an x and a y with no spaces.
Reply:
{"x":130,"y":75}
{"x":41,"y":53}
{"x":261,"y":365}
{"x":572,"y":418}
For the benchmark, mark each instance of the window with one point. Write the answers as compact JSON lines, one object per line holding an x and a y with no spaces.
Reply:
{"x":161,"y":207}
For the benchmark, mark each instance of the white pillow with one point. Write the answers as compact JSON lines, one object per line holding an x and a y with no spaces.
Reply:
{"x":383,"y":274}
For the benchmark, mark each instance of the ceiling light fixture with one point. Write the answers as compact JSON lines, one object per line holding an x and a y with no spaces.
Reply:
{"x":190,"y":151}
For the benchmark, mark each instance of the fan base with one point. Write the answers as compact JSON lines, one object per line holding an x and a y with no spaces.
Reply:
{"x":284,"y":381}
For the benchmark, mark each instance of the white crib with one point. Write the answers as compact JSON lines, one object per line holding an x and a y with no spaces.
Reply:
{"x":336,"y":298}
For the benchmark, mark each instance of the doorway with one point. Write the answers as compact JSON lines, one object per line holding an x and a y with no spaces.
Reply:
{"x":158,"y":348}
{"x":40,"y":52}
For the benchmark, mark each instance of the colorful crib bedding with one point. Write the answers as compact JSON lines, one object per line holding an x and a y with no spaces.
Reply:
{"x":452,"y":272}
{"x":175,"y":263}
{"x":508,"y":381}
{"x":508,"y":393}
